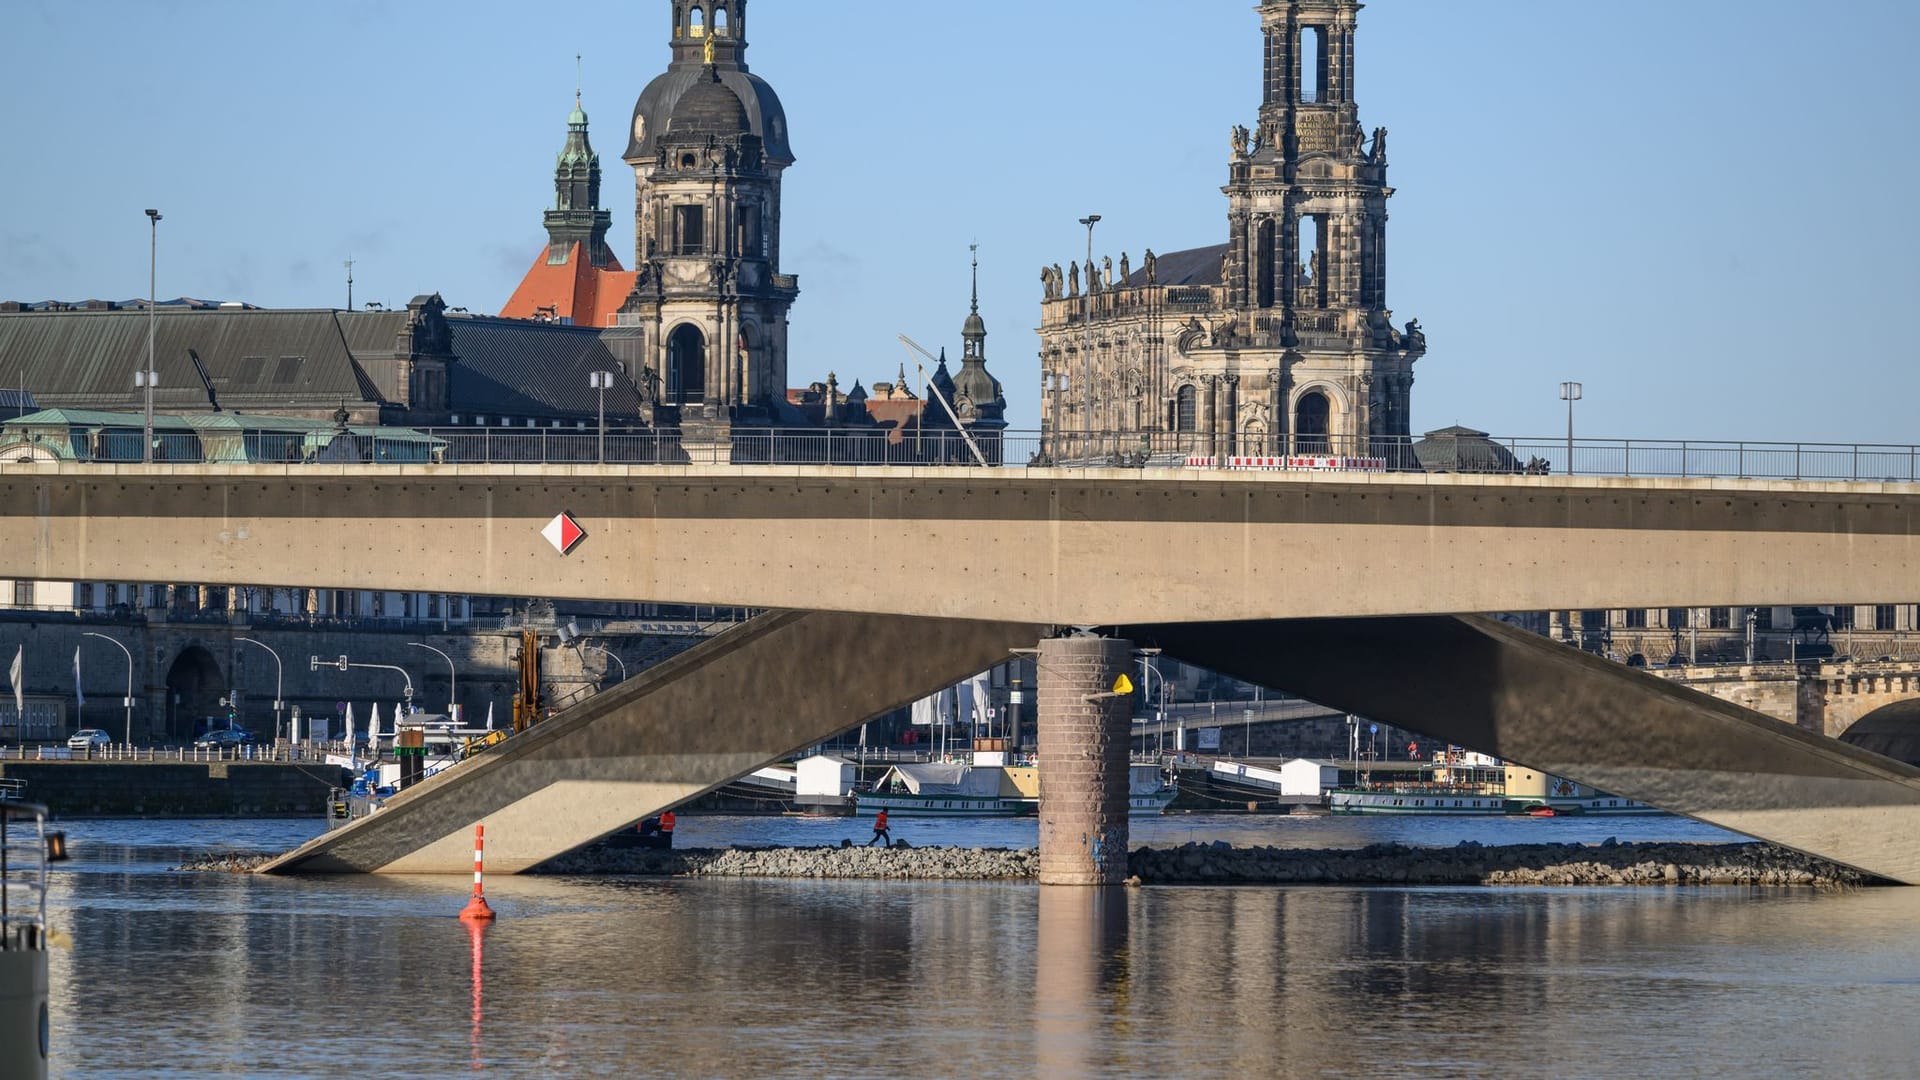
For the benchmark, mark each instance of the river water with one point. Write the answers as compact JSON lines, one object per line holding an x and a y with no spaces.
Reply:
{"x":175,"y":974}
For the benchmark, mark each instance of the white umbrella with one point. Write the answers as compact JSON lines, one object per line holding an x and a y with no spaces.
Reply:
{"x":373,"y":731}
{"x":350,"y":754}
{"x":489,"y":716}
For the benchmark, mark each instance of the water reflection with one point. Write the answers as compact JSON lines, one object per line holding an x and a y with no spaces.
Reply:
{"x":186,"y":975}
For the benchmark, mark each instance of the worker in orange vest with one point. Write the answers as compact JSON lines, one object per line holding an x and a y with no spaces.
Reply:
{"x":666,"y":825}
{"x":880,"y":831}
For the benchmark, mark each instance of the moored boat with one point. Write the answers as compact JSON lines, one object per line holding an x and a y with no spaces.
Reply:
{"x":24,"y":1020}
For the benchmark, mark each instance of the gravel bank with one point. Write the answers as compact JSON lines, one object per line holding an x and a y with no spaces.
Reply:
{"x":1469,"y":863}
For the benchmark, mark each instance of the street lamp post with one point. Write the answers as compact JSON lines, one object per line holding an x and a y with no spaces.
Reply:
{"x":610,"y":656}
{"x":1086,"y":391}
{"x":145,"y":378}
{"x":602,"y":381}
{"x":1150,"y":669}
{"x":127,"y":701}
{"x":279,"y":683}
{"x":1570,"y":393}
{"x":453,"y":698}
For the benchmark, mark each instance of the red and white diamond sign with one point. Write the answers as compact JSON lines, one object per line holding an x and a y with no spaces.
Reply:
{"x":563,"y":533}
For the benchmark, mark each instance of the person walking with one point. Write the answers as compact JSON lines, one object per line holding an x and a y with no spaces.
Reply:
{"x":880,"y":831}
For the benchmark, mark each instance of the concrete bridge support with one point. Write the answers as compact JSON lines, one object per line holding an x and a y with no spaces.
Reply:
{"x":1480,"y":683}
{"x":1083,"y":739}
{"x":753,"y":694}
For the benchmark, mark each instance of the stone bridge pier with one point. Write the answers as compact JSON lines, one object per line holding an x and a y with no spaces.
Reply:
{"x":1082,"y":732}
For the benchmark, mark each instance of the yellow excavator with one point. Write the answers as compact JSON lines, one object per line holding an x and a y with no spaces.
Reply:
{"x":528,"y":705}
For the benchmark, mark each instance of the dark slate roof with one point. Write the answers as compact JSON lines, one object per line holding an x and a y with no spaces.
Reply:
{"x":259,"y":360}
{"x":1194,"y":266}
{"x":1460,"y":449}
{"x":708,"y":107}
{"x":764,"y":111}
{"x":517,"y":368}
{"x":17,"y":401}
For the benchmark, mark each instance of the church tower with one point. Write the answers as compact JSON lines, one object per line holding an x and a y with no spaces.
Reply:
{"x":1307,"y":211}
{"x":576,"y":217}
{"x":1277,"y":343}
{"x":708,"y":149}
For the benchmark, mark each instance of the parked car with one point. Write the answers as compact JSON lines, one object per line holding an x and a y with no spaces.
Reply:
{"x":87,"y":738}
{"x":222,"y":739}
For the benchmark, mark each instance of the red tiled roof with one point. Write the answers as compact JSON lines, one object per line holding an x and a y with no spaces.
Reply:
{"x":576,"y":290}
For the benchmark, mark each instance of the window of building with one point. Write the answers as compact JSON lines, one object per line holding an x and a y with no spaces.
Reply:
{"x":1883,"y":617}
{"x":86,"y":594}
{"x":433,"y":605}
{"x":23,"y":594}
{"x":1843,"y":616}
{"x":1184,"y":410}
{"x":156,"y":596}
{"x":689,"y":230}
{"x":1719,"y":618}
{"x":1636,"y":618}
{"x":1312,"y":417}
{"x":697,"y":22}
{"x":720,"y":21}
{"x":1313,"y":64}
{"x":1677,"y":618}
{"x":1264,"y":257}
{"x":686,"y":366}
{"x":1763,"y":618}
{"x":750,"y":236}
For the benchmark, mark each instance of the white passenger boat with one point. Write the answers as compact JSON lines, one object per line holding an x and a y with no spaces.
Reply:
{"x":1458,"y":782}
{"x":23,"y":940}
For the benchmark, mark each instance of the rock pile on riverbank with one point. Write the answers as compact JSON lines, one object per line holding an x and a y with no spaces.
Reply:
{"x":930,"y":863}
{"x":1469,"y":863}
{"x":1220,"y":863}
{"x":226,"y":863}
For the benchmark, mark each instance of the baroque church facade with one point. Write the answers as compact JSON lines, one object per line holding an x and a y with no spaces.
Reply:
{"x":1278,"y":341}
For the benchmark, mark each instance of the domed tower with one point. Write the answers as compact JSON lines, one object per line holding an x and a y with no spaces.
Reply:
{"x":708,"y":149}
{"x":977,"y":395}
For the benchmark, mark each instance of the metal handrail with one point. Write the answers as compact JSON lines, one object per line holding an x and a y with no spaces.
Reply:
{"x":868,"y":445}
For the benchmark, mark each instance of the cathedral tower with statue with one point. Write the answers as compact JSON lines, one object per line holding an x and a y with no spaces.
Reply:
{"x":1277,"y":342}
{"x":709,"y":145}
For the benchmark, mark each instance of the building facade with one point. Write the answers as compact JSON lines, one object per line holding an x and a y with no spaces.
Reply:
{"x":1278,"y":341}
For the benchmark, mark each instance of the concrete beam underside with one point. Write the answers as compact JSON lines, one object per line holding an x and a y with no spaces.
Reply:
{"x":1090,"y":547}
{"x":1477,"y":682}
{"x":752,"y":695}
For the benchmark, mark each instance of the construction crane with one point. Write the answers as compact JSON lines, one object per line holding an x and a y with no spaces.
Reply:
{"x":934,"y":393}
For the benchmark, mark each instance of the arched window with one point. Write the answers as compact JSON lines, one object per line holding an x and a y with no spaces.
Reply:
{"x":1183,"y":410}
{"x":686,"y":366}
{"x":1264,"y":259}
{"x":697,"y":22}
{"x":1312,"y":416}
{"x":720,"y":28}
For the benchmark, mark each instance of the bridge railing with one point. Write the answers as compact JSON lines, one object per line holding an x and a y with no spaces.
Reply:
{"x":1184,"y":450}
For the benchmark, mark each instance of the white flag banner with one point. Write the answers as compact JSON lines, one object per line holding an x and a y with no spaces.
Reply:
{"x":79,"y":696}
{"x":16,"y":678}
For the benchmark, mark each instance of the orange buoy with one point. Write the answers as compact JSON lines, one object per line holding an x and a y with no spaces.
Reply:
{"x":477,"y":909}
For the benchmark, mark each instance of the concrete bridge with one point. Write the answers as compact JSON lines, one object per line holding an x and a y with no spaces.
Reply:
{"x":941,"y":572}
{"x":1077,"y":547}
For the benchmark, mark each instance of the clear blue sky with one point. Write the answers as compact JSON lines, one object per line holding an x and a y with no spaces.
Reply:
{"x":1703,"y":210}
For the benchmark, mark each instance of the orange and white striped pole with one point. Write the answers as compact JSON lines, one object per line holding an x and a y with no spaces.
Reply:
{"x":477,"y":909}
